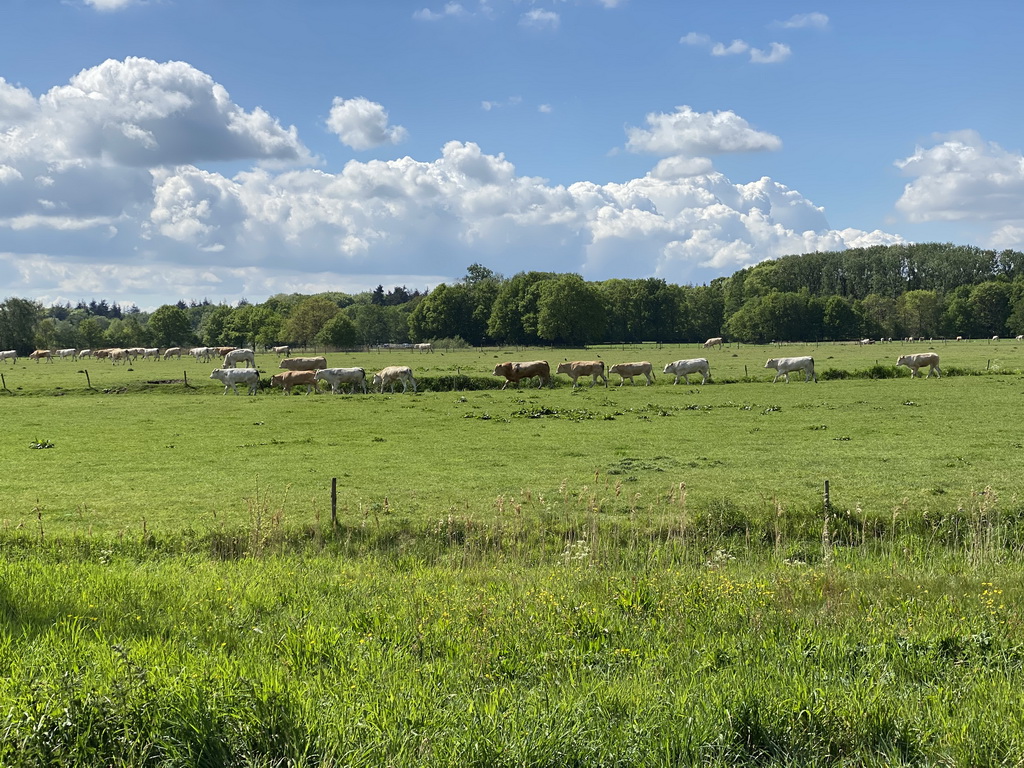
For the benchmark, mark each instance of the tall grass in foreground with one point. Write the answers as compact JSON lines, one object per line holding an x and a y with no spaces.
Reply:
{"x":576,"y":639}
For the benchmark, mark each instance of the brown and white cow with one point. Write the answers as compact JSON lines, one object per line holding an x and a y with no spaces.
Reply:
{"x":41,"y":354}
{"x":592,"y":368}
{"x":629,"y":370}
{"x":516,"y":372}
{"x":303,"y":363}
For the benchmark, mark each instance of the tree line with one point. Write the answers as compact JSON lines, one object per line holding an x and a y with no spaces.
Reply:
{"x":929,"y":290}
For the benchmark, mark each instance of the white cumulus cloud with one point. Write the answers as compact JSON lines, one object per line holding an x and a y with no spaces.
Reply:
{"x":103,"y":192}
{"x":363,"y":124}
{"x":963,"y":177}
{"x":688,"y":132}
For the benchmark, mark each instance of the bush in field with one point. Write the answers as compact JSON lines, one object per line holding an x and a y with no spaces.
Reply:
{"x":833,"y":374}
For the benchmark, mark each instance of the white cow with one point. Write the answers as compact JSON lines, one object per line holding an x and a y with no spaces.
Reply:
{"x":84,"y":353}
{"x":921,"y":359}
{"x":64,"y":354}
{"x":151,"y":353}
{"x":425,"y":347}
{"x":233,"y":376}
{"x":629,"y":370}
{"x":685,"y":367}
{"x":9,"y":354}
{"x":279,"y":350}
{"x":393,"y":373}
{"x":201,"y":354}
{"x":235,"y":356}
{"x":338,"y":376}
{"x":785,"y":365}
{"x":714,"y":341}
{"x":172,"y":352}
{"x":41,"y":354}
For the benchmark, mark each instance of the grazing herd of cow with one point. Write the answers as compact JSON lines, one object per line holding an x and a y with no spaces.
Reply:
{"x":307,"y":371}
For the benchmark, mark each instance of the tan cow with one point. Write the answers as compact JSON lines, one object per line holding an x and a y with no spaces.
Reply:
{"x":41,"y":354}
{"x":921,"y":359}
{"x":221,"y":351}
{"x":516,"y":372}
{"x":393,"y":373}
{"x":236,"y":356}
{"x":290,"y":379}
{"x":592,"y":368}
{"x":714,"y":341}
{"x":120,"y":356}
{"x":629,"y":370}
{"x":303,"y":363}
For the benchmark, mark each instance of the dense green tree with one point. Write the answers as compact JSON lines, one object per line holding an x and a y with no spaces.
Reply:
{"x":125,"y":331}
{"x":840,"y":321}
{"x":255,"y":325}
{"x":212,"y":325}
{"x":918,"y":314}
{"x":338,"y":332}
{"x":46,"y":334}
{"x":706,"y":305}
{"x":877,"y":316}
{"x":18,"y":318}
{"x":308,"y":318}
{"x":446,"y":312}
{"x":990,"y":307}
{"x":570,"y":312}
{"x":91,"y":330}
{"x":514,"y":313}
{"x":170,"y":326}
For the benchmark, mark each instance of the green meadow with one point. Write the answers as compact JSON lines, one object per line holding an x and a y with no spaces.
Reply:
{"x":630,"y":576}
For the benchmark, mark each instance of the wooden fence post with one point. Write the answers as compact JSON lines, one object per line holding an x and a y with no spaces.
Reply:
{"x":826,"y":535}
{"x":334,"y":503}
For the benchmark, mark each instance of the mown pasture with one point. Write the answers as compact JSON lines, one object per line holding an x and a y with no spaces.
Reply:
{"x":621,"y":577}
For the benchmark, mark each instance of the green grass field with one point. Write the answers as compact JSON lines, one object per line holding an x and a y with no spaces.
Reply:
{"x":635,"y":576}
{"x":178,"y":457}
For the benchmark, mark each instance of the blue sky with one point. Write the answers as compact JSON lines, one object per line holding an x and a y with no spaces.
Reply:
{"x":155,"y":150}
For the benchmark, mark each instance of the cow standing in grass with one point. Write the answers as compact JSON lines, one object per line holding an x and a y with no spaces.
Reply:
{"x":234,"y":376}
{"x":629,"y":370}
{"x":592,"y":368}
{"x":391,"y":374}
{"x":920,"y":360}
{"x":786,"y":365}
{"x":685,"y":367}
{"x":516,"y":372}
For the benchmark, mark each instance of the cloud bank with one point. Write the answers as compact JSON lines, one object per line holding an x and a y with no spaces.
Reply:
{"x":109,"y":187}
